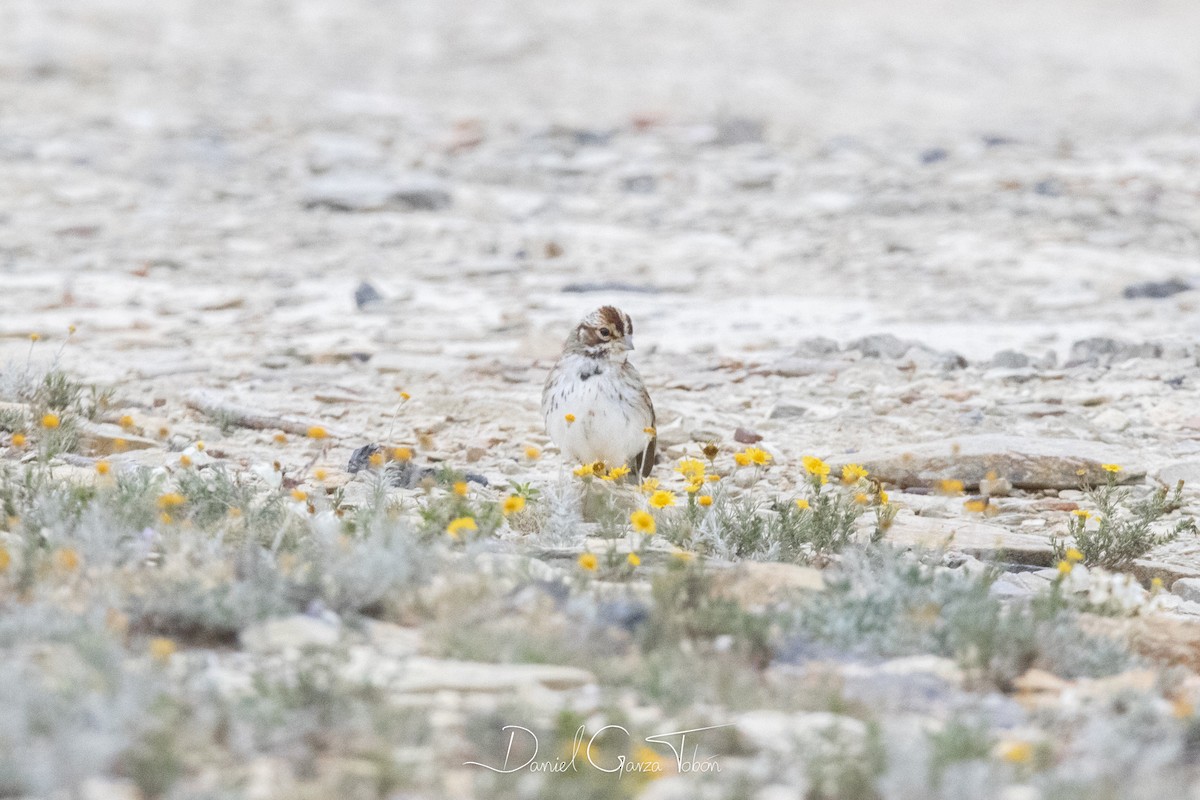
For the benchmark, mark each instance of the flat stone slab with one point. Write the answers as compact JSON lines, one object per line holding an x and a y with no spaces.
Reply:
{"x":1026,"y":462}
{"x":979,"y":539}
{"x":423,"y":675}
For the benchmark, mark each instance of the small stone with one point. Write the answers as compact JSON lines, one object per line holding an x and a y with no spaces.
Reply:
{"x":881,"y":345}
{"x":747,"y":436}
{"x":1009,"y":359}
{"x":1101,"y":351}
{"x":1187,"y":588}
{"x":1156,"y":290}
{"x":370,"y":192}
{"x":296,"y":632}
{"x":1111,"y":419}
{"x":785,"y":411}
{"x":934,"y":154}
{"x":366,"y":295}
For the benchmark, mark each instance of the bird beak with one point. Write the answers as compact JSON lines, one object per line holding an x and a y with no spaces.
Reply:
{"x":628,"y":342}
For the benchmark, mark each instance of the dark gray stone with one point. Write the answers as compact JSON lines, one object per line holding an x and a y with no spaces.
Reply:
{"x":1009,"y":359}
{"x":1156,"y":290}
{"x":366,"y":295}
{"x":1102,"y":351}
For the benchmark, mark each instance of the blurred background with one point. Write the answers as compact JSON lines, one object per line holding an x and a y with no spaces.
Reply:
{"x":207,"y":185}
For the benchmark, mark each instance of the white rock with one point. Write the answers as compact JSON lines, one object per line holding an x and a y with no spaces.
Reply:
{"x":289,"y":633}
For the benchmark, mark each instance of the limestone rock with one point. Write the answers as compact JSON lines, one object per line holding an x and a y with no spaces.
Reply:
{"x":978,"y":539}
{"x":289,"y":634}
{"x":1025,"y":462}
{"x":758,"y":583}
{"x":104,"y":438}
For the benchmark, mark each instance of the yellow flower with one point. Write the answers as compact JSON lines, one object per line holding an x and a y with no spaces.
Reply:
{"x":662,"y":499}
{"x":405,"y":396}
{"x":102,"y":467}
{"x":589,"y":562}
{"x":165,"y":518}
{"x":125,"y":422}
{"x":200,"y":446}
{"x":532,"y":453}
{"x":1083,"y":513}
{"x":299,"y":496}
{"x":401,"y":453}
{"x":615,"y":473}
{"x":694,"y":486}
{"x":691,"y":468}
{"x":977,"y":506}
{"x":801,"y":503}
{"x":950,"y":487}
{"x":852,"y":473}
{"x":883,"y":498}
{"x":650,"y":431}
{"x":1065,"y":567}
{"x":513,"y":504}
{"x":1074,"y":555}
{"x":161,"y":649}
{"x":5,"y":559}
{"x":649,"y":485}
{"x":278,"y":438}
{"x":171,"y":500}
{"x":185,"y":461}
{"x":642,"y":522}
{"x":682,"y":555}
{"x":585,"y":470}
{"x":1114,"y":468}
{"x":18,"y":440}
{"x":712,"y":478}
{"x":376,"y":460}
{"x":51,"y":421}
{"x":120,"y":445}
{"x":741,"y":459}
{"x":320,"y":474}
{"x":1156,"y":585}
{"x":705,"y":500}
{"x":67,"y":559}
{"x":235,"y":513}
{"x":758,"y":455}
{"x":317,"y":432}
{"x":569,"y":418}
{"x":457,"y":526}
{"x":460,"y":488}
{"x":816,"y":466}
{"x":633,"y":560}
{"x":1015,"y":752}
{"x":862,"y":498}
{"x":33,"y":337}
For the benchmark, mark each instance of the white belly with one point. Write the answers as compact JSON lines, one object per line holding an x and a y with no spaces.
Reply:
{"x":610,"y":422}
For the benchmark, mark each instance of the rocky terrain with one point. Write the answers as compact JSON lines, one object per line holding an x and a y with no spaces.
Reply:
{"x":959,"y":247}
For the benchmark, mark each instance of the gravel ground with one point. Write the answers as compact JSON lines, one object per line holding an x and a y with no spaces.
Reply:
{"x":201,"y":190}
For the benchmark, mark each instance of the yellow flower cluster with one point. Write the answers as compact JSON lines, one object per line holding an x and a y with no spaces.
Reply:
{"x":752,"y":455}
{"x":853,"y":473}
{"x":457,"y":526}
{"x":816,"y":467}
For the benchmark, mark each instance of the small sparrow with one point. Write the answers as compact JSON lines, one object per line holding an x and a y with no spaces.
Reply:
{"x":595,"y":404}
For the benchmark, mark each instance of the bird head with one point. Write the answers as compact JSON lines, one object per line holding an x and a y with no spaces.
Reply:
{"x":607,"y":332}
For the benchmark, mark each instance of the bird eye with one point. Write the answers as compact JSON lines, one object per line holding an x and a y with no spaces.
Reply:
{"x":605,"y":332}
